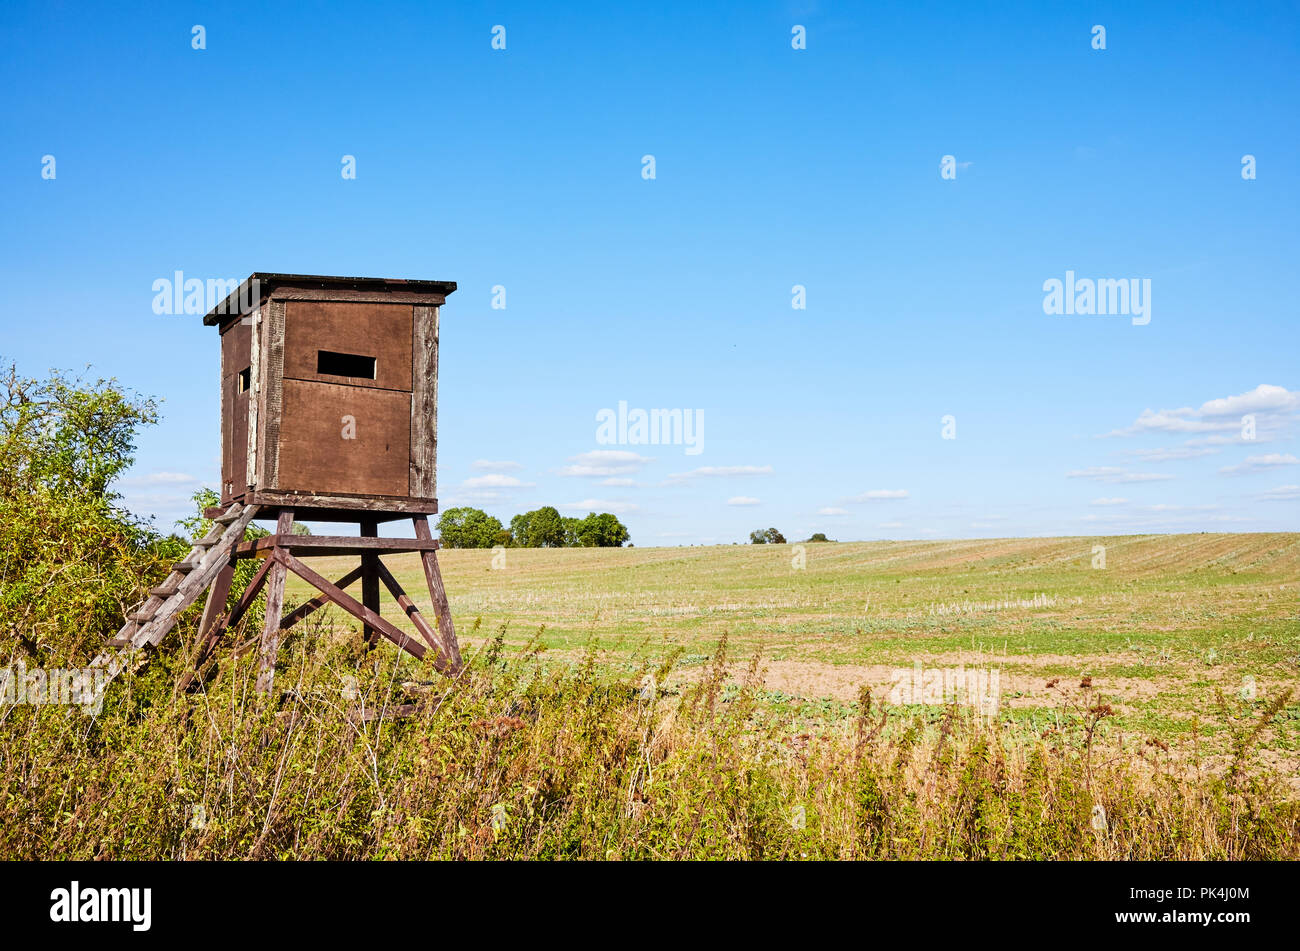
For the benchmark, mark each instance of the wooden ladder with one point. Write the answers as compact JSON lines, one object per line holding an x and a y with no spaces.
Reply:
{"x":189,"y":578}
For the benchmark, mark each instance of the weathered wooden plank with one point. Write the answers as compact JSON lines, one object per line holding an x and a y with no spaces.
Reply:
{"x":424,"y":402}
{"x":224,"y":408}
{"x":351,"y":440}
{"x":378,"y":330}
{"x":254,"y":398}
{"x":335,"y":545}
{"x":315,"y":604}
{"x":272,"y":395}
{"x":270,"y":649}
{"x":370,"y":577}
{"x":246,"y":599}
{"x":340,"y":294}
{"x":408,"y":606}
{"x":217,"y":594}
{"x":379,"y":505}
{"x":438,"y":596}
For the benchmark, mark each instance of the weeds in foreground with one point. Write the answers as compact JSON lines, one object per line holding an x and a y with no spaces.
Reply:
{"x":521,"y":758}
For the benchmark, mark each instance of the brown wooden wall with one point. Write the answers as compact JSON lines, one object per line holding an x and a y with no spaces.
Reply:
{"x":314,"y":456}
{"x":382,"y":331}
{"x":297,"y":417}
{"x":236,"y":339}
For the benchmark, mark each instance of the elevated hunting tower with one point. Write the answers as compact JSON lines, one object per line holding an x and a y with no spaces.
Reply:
{"x":329,"y":391}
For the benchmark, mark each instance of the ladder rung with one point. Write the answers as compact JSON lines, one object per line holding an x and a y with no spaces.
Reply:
{"x":164,"y":590}
{"x":184,"y":567}
{"x":228,"y":517}
{"x":143,"y":615}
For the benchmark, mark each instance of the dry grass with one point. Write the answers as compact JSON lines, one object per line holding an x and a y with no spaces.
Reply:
{"x":520,"y":759}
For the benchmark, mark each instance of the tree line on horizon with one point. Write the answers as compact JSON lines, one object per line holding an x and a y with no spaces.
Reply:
{"x":770,"y":536}
{"x":545,"y":527}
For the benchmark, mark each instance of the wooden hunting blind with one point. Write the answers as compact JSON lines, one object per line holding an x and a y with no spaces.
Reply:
{"x":329,"y":389}
{"x":329,"y":394}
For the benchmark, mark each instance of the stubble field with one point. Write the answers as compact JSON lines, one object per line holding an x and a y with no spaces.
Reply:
{"x":1166,"y":626}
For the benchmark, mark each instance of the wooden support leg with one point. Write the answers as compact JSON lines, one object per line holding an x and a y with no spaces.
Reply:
{"x":370,"y":582}
{"x":216,"y":603}
{"x":209,"y":628}
{"x":315,"y":604}
{"x":274,"y":605}
{"x":209,"y":643}
{"x":409,"y":607}
{"x":449,"y":648}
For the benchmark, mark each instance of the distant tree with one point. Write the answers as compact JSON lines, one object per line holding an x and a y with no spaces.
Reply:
{"x":758,"y":537}
{"x":774,"y":537}
{"x":540,"y":528}
{"x":571,"y":529}
{"x":818,"y":537}
{"x":467,"y":527}
{"x":519,"y":529}
{"x":503,"y":538}
{"x":602,"y":531}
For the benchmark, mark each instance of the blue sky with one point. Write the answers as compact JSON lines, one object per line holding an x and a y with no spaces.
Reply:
{"x":774,"y":167}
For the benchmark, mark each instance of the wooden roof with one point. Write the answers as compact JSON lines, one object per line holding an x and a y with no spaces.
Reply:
{"x":325,"y":287}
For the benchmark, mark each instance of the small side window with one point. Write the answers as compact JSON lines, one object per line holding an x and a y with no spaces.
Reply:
{"x":244,"y":380}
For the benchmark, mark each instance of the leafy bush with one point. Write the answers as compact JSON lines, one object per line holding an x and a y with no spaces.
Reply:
{"x":73,"y":561}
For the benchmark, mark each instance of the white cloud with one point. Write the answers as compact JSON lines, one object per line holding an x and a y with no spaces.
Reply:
{"x":1108,"y":501}
{"x":1283,"y":493}
{"x":160,"y":478}
{"x":1270,"y":460}
{"x":487,"y":465}
{"x":1169,"y":454}
{"x":620,"y":481}
{"x":614,"y":506}
{"x":1115,"y":474}
{"x":716,"y":472}
{"x":604,"y":462}
{"x":890,"y":525}
{"x":877,"y":495}
{"x":496,"y":481}
{"x":743,"y":500}
{"x":832,"y":510}
{"x":1272,"y":403}
{"x":1262,"y":399}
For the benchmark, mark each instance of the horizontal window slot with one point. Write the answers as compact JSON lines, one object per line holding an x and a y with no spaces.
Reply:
{"x":353,"y":365}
